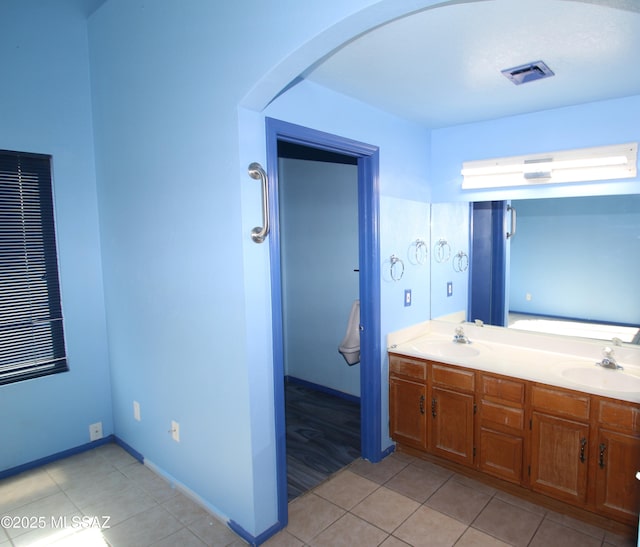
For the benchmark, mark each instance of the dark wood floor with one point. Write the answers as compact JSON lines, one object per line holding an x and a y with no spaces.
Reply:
{"x":323,"y":436}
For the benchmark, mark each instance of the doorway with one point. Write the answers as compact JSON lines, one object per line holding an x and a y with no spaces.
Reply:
{"x":366,"y":157}
{"x":318,"y":226}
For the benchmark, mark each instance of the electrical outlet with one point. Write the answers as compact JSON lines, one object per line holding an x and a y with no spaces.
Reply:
{"x":95,"y":431}
{"x":407,"y":297}
{"x":136,"y":411}
{"x":449,"y":288}
{"x":175,"y":431}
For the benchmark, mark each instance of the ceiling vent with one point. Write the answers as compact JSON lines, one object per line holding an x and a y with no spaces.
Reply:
{"x":528,"y":73}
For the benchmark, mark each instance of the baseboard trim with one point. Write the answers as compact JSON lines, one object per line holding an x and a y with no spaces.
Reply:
{"x":387,"y":451}
{"x":127,"y":448}
{"x":214,"y":511}
{"x":252,"y":540}
{"x":55,"y":457}
{"x":323,"y":389}
{"x":257,"y":540}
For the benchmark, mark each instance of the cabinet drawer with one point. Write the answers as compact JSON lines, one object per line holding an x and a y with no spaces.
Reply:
{"x":619,"y":415}
{"x":405,"y":366}
{"x":557,"y":401}
{"x":501,"y":415}
{"x":459,"y":378}
{"x":502,"y":389}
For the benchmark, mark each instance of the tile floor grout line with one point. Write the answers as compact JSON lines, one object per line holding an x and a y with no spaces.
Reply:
{"x":378,"y":527}
{"x":470,"y":524}
{"x":423,"y":504}
{"x":452,"y":478}
{"x":536,"y":531}
{"x":72,"y":480}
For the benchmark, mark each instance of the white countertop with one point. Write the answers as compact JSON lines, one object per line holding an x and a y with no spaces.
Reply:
{"x":529,"y":356}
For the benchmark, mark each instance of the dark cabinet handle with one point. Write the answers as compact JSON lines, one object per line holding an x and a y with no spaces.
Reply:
{"x":603,"y":447}
{"x":421,"y":404}
{"x":583,"y":444}
{"x":433,"y":407}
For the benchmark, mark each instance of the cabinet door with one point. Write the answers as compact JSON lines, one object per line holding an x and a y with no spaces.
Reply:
{"x":500,"y":455}
{"x":559,"y":451}
{"x":452,"y":425}
{"x":617,"y":490}
{"x":407,"y":412}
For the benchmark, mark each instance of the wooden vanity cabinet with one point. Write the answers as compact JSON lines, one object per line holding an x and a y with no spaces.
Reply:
{"x":574,"y":447}
{"x":408,"y":401}
{"x":617,"y":492}
{"x":452,"y":413}
{"x":501,"y":426}
{"x":560,"y":429}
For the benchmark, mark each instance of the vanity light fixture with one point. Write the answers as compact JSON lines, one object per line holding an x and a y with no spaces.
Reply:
{"x":585,"y":164}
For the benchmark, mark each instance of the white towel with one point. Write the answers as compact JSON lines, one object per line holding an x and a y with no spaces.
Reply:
{"x":350,"y":346}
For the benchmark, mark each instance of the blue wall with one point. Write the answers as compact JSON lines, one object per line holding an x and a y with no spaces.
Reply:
{"x":187,"y":291}
{"x":449,"y":221}
{"x":586,"y":125}
{"x":319,"y":238}
{"x":168,"y":183}
{"x":45,"y":107}
{"x":578,"y":258}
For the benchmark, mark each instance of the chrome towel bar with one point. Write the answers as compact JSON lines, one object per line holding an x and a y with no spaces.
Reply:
{"x":259,"y":234}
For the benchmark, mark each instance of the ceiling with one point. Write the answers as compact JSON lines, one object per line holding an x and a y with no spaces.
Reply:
{"x":442,"y":66}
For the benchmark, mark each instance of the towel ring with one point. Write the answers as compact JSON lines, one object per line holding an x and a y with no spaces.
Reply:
{"x":420,"y":251}
{"x":392,"y":269}
{"x":460,"y":262}
{"x":442,"y":250}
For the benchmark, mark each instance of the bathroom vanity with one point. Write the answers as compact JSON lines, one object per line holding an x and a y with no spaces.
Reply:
{"x":531,"y":411}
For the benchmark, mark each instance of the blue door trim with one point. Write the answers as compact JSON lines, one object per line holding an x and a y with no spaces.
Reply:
{"x":488,"y":299}
{"x":369,"y":281}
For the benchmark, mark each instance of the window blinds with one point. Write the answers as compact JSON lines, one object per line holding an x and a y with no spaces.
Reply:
{"x":31,"y":330}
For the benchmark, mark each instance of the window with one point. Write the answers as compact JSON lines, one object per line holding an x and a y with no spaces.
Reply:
{"x":31,"y":333}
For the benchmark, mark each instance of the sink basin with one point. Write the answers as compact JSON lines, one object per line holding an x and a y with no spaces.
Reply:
{"x":445,"y":349}
{"x":598,"y":377}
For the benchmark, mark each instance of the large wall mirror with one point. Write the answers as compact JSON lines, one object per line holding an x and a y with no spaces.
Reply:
{"x":573,"y":266}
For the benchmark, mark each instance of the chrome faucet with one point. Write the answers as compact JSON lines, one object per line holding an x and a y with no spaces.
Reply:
{"x":460,"y":337}
{"x":609,"y":360}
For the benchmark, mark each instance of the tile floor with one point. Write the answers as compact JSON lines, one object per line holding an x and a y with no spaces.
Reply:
{"x":406,"y":501}
{"x":398,"y":502}
{"x":106,"y":481}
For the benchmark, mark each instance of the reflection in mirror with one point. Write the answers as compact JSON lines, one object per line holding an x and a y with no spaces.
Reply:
{"x":574,"y":267}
